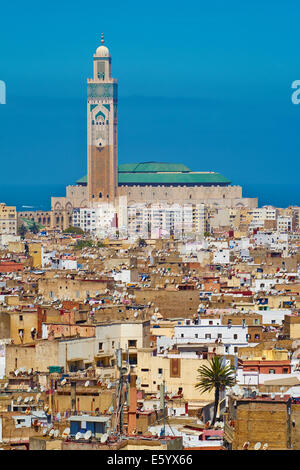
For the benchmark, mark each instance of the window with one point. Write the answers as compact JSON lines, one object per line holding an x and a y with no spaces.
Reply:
{"x":132,"y":343}
{"x":160,"y":371}
{"x":21,"y":317}
{"x":235,"y":336}
{"x":196,"y":335}
{"x":285,"y":370}
{"x":257,"y":336}
{"x":235,"y":349}
{"x":145,"y":370}
{"x":271,"y":371}
{"x":210,"y":322}
{"x":208,"y":336}
{"x":219,"y":335}
{"x":113,"y":344}
{"x":100,"y":346}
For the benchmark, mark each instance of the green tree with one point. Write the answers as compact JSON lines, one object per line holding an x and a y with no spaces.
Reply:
{"x":215,"y":376}
{"x":22,"y":230}
{"x":34,"y":228}
{"x":83,"y":244}
{"x":76,"y":230}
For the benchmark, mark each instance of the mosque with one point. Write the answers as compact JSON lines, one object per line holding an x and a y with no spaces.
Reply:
{"x":150,"y":182}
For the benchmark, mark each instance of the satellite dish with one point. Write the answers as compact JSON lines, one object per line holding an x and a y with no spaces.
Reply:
{"x":29,"y":371}
{"x":78,"y":436}
{"x":104,"y":438}
{"x":257,"y":446}
{"x":26,"y":400}
{"x":63,"y":382}
{"x":56,"y":433}
{"x":45,"y":431}
{"x":38,"y":397}
{"x":87,"y":383}
{"x":265,"y":446}
{"x":87,"y":435}
{"x":51,"y":433}
{"x":66,"y":432}
{"x":16,"y":372}
{"x":246,"y":445}
{"x":6,"y":385}
{"x":19,"y":399}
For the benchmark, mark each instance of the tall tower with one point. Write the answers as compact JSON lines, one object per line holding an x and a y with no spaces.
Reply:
{"x":102,"y":130}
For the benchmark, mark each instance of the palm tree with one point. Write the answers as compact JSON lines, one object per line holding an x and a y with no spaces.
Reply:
{"x":215,"y":376}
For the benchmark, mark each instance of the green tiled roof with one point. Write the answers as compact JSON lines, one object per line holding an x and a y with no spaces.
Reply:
{"x":82,"y":180}
{"x":172,"y":178}
{"x":152,"y":167}
{"x":164,"y":173}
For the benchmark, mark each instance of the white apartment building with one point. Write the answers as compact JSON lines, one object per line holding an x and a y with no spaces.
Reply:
{"x":99,"y":221}
{"x":262,"y":214}
{"x":141,"y":220}
{"x":164,"y":220}
{"x":284,"y":223}
{"x":206,"y":332}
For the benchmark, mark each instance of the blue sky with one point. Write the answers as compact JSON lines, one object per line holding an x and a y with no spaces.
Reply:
{"x":203,"y":83}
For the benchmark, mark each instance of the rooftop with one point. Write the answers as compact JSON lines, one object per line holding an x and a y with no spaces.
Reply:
{"x":164,"y":173}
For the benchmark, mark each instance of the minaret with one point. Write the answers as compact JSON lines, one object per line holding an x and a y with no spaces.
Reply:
{"x":102,"y":130}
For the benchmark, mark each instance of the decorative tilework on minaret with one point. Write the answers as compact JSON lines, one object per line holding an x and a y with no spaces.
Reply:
{"x":102,"y":130}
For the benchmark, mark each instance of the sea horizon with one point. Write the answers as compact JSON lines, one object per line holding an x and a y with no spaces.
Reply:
{"x":37,"y":196}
